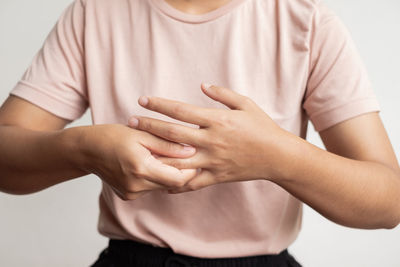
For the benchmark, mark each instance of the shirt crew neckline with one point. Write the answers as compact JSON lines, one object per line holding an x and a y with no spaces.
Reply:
{"x":195,"y":18}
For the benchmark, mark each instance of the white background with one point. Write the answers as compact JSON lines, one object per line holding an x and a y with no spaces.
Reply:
{"x":57,"y":227}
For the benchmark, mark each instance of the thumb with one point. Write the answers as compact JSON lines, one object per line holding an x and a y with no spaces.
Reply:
{"x":161,"y":173}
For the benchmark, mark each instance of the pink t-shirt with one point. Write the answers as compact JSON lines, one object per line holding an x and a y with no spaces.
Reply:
{"x":294,"y":58}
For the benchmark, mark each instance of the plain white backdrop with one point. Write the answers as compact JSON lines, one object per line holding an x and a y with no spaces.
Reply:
{"x":57,"y":226}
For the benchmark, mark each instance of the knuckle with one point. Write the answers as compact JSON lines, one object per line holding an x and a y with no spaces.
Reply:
{"x":122,"y":195}
{"x":130,"y":196}
{"x":139,"y":171}
{"x":222,"y":118}
{"x":177,"y":109}
{"x":169,"y":146}
{"x":165,"y":160}
{"x":171,"y":133}
{"x":133,"y":188}
{"x":125,"y":197}
{"x":193,"y":187}
{"x":144,"y":124}
{"x":219,"y":145}
{"x":203,"y":137}
{"x":182,"y":163}
{"x":215,"y":163}
{"x":208,"y":143}
{"x":173,"y":163}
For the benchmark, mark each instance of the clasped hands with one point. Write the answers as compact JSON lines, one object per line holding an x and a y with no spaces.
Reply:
{"x":236,"y":144}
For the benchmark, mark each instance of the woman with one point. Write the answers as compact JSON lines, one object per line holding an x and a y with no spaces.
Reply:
{"x":233,"y":154}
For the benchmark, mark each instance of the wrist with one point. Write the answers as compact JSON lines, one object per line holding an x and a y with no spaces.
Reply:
{"x":76,"y":147}
{"x":287,"y":152}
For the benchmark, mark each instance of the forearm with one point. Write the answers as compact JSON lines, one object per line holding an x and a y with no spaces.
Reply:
{"x":33,"y":160}
{"x":349,"y":192}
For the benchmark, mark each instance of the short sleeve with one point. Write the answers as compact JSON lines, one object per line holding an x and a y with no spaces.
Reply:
{"x":55,"y":80}
{"x":338,"y":86}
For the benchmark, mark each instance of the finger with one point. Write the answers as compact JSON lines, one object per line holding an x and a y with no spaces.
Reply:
{"x":166,"y":148}
{"x":167,"y":130}
{"x":136,"y":185}
{"x":142,"y":185}
{"x":177,"y":110}
{"x":128,"y":196}
{"x":163,"y":174}
{"x":227,"y":97}
{"x":194,"y":162}
{"x":203,"y":179}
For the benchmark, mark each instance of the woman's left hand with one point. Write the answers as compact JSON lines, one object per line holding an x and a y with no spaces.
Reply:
{"x":237,"y":144}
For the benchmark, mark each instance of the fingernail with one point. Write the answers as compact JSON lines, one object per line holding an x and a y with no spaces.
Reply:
{"x":206,"y":85}
{"x":143,"y":100}
{"x":189,"y":148}
{"x":134,"y":122}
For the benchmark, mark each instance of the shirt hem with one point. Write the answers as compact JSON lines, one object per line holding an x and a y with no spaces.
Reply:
{"x":46,"y":101}
{"x":329,"y":118}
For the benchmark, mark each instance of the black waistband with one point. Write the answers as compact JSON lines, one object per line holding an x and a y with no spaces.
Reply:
{"x":132,"y":253}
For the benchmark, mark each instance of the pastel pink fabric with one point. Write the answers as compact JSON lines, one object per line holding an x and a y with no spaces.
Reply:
{"x":294,"y":58}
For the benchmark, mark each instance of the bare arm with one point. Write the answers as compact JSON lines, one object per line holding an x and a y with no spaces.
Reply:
{"x":36,"y":153}
{"x":32,"y":147}
{"x":356,"y":184}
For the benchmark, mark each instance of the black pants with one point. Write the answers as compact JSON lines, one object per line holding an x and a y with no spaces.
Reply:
{"x":127,"y":253}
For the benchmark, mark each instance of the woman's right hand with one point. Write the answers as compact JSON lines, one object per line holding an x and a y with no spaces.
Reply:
{"x":125,"y":159}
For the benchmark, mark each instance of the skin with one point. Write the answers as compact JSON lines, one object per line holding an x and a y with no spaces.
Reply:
{"x":355,"y":183}
{"x":359,"y":162}
{"x":196,"y":7}
{"x":33,"y":138}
